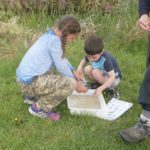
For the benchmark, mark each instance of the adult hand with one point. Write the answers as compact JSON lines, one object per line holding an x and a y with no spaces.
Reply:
{"x":144,"y":22}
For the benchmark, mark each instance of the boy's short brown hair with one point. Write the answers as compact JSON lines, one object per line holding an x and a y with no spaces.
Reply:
{"x":93,"y":44}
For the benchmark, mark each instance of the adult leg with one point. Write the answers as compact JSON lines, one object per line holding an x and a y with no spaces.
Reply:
{"x":142,"y":129}
{"x":148,"y":53}
{"x":144,"y":94}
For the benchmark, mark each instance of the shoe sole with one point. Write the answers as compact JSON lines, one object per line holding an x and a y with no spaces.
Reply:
{"x":129,"y":141}
{"x":36,"y":114}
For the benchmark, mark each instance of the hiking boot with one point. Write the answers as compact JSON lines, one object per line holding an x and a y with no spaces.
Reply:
{"x":29,"y":99}
{"x":33,"y":110}
{"x":113,"y":93}
{"x":136,"y":133}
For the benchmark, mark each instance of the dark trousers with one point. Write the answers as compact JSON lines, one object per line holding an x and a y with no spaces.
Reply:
{"x":144,"y":93}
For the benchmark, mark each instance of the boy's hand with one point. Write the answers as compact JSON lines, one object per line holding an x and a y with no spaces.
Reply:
{"x":81,"y":88}
{"x":78,"y":75}
{"x":144,"y":22}
{"x":98,"y":91}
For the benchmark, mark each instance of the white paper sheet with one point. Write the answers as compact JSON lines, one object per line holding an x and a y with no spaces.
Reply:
{"x":114,"y":109}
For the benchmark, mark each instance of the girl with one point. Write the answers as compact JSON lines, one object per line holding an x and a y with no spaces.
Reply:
{"x":35,"y":74}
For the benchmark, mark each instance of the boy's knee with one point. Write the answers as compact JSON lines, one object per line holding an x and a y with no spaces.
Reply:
{"x":95,"y":72}
{"x":88,"y":69}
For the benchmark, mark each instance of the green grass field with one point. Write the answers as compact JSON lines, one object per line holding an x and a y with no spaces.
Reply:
{"x":21,"y":131}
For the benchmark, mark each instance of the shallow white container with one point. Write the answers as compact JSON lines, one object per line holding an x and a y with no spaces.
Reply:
{"x":81,"y":103}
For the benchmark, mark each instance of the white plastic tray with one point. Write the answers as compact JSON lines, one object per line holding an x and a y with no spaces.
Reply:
{"x":80,"y":103}
{"x":85,"y":103}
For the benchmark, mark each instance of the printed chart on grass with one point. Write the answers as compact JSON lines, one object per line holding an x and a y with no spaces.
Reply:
{"x":114,"y":109}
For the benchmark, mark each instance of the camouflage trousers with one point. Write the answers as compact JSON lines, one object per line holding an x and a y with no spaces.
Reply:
{"x":51,"y":89}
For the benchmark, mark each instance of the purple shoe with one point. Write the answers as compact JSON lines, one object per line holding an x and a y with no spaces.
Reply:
{"x":33,"y":110}
{"x":53,"y":116}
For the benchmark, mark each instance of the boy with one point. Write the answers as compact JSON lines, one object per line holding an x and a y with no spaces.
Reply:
{"x":103,"y":70}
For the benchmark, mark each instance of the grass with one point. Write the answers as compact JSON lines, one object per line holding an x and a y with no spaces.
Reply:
{"x":71,"y":132}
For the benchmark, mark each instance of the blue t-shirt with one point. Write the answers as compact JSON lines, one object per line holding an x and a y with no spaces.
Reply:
{"x":106,"y":63}
{"x":44,"y":55}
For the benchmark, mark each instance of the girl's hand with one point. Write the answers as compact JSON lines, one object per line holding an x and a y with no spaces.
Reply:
{"x":78,"y":75}
{"x":144,"y":22}
{"x":98,"y":91}
{"x":81,"y":88}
